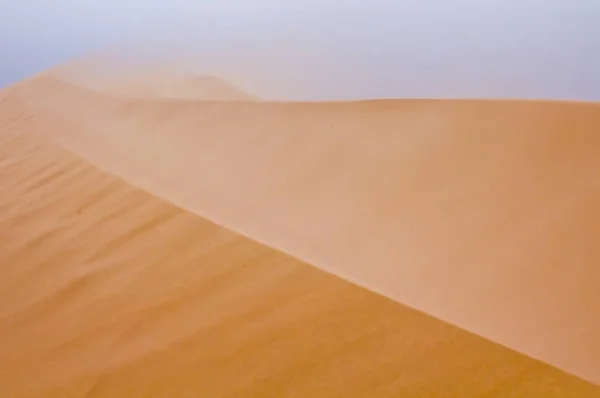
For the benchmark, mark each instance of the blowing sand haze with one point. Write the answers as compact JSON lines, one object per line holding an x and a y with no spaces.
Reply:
{"x":179,"y":237}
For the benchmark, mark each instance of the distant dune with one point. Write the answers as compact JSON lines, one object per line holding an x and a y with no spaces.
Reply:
{"x":172,"y":236}
{"x":125,"y":77}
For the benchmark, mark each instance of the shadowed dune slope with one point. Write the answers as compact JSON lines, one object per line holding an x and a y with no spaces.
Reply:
{"x":481,"y":213}
{"x":108,"y":291}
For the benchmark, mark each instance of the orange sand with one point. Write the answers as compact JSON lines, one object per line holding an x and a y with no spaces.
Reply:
{"x":480,"y":213}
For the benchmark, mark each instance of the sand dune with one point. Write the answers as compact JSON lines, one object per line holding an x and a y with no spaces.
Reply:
{"x":107,"y":291}
{"x":166,"y":86}
{"x":126,"y":77}
{"x":116,"y":281}
{"x":481,"y":213}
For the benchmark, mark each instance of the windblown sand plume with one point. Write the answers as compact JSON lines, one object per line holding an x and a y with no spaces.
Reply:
{"x":173,"y":236}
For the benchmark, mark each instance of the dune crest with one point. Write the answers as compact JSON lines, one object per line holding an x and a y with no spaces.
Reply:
{"x":108,"y":291}
{"x":481,"y":213}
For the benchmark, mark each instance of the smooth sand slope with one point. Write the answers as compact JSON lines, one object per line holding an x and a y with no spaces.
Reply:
{"x":108,"y":291}
{"x":482,"y":213}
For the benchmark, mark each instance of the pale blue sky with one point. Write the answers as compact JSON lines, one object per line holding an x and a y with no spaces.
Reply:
{"x":328,"y":49}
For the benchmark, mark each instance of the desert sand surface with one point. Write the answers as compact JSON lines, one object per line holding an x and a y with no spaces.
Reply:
{"x":481,"y":213}
{"x":184,"y":248}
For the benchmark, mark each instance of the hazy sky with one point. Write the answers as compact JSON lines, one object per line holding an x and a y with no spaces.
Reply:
{"x":331,"y":48}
